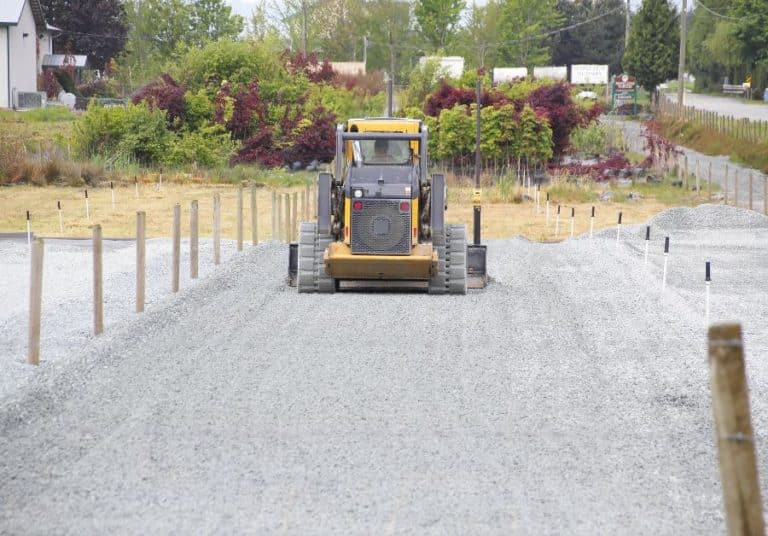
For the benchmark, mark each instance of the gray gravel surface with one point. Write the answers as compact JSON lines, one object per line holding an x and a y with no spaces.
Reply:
{"x":633,"y":132}
{"x":569,"y":397}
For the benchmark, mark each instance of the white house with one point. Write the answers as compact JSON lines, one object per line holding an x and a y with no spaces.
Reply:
{"x":24,"y":39}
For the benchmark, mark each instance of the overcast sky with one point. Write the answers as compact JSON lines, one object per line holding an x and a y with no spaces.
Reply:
{"x":245,"y":7}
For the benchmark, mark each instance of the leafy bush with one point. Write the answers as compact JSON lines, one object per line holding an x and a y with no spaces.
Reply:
{"x":134,"y":132}
{"x":100,"y":87}
{"x":208,"y":147}
{"x":589,"y":140}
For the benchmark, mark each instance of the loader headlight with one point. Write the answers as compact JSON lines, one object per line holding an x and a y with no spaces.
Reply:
{"x":358,"y":193}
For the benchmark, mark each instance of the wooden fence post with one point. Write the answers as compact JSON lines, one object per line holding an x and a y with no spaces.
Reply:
{"x":141,"y":259}
{"x":295,"y":218}
{"x":685,"y":172}
{"x":751,"y":185}
{"x":698,"y":178}
{"x":308,"y":206}
{"x":254,"y":216}
{"x":194,"y":233}
{"x":736,"y":188}
{"x":35,"y":302}
{"x":98,"y":288}
{"x":287,"y":214}
{"x":726,"y":184}
{"x":709,"y":182}
{"x":303,"y":203}
{"x":216,"y":228}
{"x":733,"y":431}
{"x":274,"y":215}
{"x":240,"y":217}
{"x":176,"y":247}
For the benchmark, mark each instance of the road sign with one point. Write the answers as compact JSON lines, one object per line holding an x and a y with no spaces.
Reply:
{"x":624,"y":91}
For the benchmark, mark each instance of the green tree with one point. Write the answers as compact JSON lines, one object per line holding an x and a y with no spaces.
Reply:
{"x":438,"y":20}
{"x":600,"y":41}
{"x":211,"y":20}
{"x":94,"y":27}
{"x":654,"y":41}
{"x":478,"y":40}
{"x":524,"y":24}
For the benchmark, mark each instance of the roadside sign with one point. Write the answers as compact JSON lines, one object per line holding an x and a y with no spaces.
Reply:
{"x":624,"y":91}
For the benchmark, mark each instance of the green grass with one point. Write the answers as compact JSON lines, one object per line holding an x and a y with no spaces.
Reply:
{"x":51,"y":114}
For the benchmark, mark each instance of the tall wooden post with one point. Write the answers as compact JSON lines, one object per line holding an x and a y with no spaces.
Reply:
{"x":736,"y":188}
{"x":141,"y":259}
{"x":287,"y":214}
{"x":751,"y":186}
{"x":240,"y":217}
{"x":194,"y":233}
{"x":176,"y":247}
{"x":275,"y":233}
{"x":35,"y":302}
{"x":733,"y":430}
{"x":726,"y":185}
{"x":709,"y":182}
{"x":98,"y":278}
{"x":295,"y":217}
{"x":698,"y":178}
{"x":254,"y":216}
{"x":216,"y":228}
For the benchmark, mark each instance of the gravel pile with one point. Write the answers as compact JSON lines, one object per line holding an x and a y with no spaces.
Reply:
{"x":708,"y":217}
{"x":569,"y":397}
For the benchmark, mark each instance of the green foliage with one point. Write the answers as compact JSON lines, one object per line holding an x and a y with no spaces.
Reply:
{"x":209,"y":147}
{"x":236,"y":62}
{"x":478,"y":40}
{"x":342,"y":102}
{"x":438,"y":20}
{"x":198,"y":110}
{"x":422,"y":81}
{"x":590,"y":140}
{"x":600,"y":41}
{"x":158,"y":29}
{"x":654,"y":39}
{"x":535,"y":137}
{"x":133,"y":133}
{"x":48,"y":114}
{"x":523,"y":25}
{"x":457,"y":133}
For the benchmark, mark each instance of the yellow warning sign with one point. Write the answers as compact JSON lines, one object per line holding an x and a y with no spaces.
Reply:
{"x":476,"y":196}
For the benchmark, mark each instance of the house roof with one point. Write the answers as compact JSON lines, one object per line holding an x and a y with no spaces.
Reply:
{"x":10,"y":13}
{"x":57,"y":60}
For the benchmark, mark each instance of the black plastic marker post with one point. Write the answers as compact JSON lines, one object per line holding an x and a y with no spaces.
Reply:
{"x":666,"y":258}
{"x":707,"y":284}
{"x":647,"y":242}
{"x":618,"y":229}
{"x":592,"y":223}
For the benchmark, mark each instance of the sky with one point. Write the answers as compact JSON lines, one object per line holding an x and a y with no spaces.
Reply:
{"x":245,"y":7}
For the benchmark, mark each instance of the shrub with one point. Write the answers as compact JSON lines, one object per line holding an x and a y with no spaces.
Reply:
{"x":208,"y":147}
{"x":100,"y":87}
{"x":134,"y":133}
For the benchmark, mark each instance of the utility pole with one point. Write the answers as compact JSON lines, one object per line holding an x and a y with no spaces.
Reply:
{"x":626,"y":28}
{"x":681,"y":64}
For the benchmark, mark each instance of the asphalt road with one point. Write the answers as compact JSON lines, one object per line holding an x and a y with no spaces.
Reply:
{"x":569,"y":397}
{"x":729,"y":106}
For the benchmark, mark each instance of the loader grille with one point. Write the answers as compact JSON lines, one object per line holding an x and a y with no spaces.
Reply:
{"x":381,"y":228}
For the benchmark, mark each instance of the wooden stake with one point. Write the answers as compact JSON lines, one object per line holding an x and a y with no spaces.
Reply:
{"x":287,"y":214}
{"x":98,"y":284}
{"x":294,"y":217}
{"x":35,"y":302}
{"x":141,"y":258}
{"x":765,"y":196}
{"x":698,"y":178}
{"x":751,"y":185}
{"x":254,"y":217}
{"x":176,"y":247}
{"x":733,"y":432}
{"x":275,"y":233}
{"x":194,"y":232}
{"x":240,"y":217}
{"x":308,"y":206}
{"x":726,"y":184}
{"x":216,"y":228}
{"x":736,"y":188}
{"x":709,"y":182}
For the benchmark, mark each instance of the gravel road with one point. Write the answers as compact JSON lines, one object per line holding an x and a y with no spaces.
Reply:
{"x":569,"y":397}
{"x":633,"y":132}
{"x":730,"y":106}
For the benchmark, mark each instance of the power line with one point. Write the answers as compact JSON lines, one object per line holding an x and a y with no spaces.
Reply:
{"x":521,"y":40}
{"x":716,"y":14}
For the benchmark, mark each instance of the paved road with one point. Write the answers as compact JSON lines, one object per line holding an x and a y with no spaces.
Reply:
{"x":729,"y":106}
{"x":567,"y":398}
